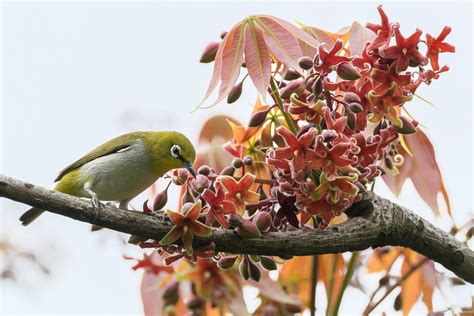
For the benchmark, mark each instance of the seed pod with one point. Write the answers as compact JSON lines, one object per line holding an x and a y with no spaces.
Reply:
{"x":248,"y":230}
{"x":228,"y":171}
{"x":317,"y":87}
{"x":235,"y":93}
{"x":244,"y":268}
{"x":346,"y":71}
{"x":237,"y":163}
{"x":268,"y":263}
{"x":248,"y":160}
{"x":258,"y":118}
{"x":291,"y":75}
{"x":407,"y":127}
{"x":226,"y":263}
{"x":350,"y":97}
{"x":263,"y":221}
{"x":295,"y":86}
{"x":355,"y":107}
{"x":209,"y":53}
{"x":305,"y":63}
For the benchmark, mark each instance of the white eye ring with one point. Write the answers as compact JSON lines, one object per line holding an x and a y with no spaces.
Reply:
{"x":176,"y":151}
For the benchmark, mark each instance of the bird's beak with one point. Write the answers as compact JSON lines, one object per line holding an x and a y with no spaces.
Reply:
{"x":188,"y":166}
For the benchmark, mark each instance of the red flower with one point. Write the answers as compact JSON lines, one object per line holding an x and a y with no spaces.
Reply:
{"x":386,"y":104}
{"x":436,"y":46}
{"x":368,"y":153}
{"x":238,"y":192}
{"x":405,"y":51}
{"x":383,"y":31}
{"x":385,"y":78}
{"x":297,"y":146}
{"x":186,"y":226}
{"x":327,"y":59}
{"x":149,"y":265}
{"x":218,"y":206}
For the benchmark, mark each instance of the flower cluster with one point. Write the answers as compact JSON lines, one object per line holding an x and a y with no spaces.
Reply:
{"x":335,"y":125}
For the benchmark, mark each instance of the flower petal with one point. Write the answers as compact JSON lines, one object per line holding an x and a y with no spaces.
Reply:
{"x":199,"y":229}
{"x":172,"y":235}
{"x":175,"y":217}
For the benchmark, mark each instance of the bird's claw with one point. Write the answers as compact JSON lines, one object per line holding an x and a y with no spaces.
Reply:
{"x":97,"y":206}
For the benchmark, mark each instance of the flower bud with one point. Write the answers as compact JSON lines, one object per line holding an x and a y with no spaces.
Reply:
{"x":195,"y":302}
{"x":268,"y":263}
{"x":355,"y":107}
{"x":235,"y":93}
{"x":254,"y":271}
{"x":248,"y":160}
{"x":180,"y":176}
{"x":350,"y":97}
{"x":171,"y":293}
{"x":209,"y":53}
{"x":295,"y":86}
{"x":291,"y":75}
{"x":329,"y":135}
{"x":317,"y":87}
{"x":270,"y":310}
{"x":294,"y":308}
{"x":263,"y":221}
{"x":187,"y":197}
{"x":351,"y":120}
{"x":305,"y":62}
{"x":235,"y":220}
{"x":248,"y":230}
{"x":161,"y":199}
{"x":204,"y":170}
{"x":226,"y":263}
{"x":237,"y":163}
{"x":384,"y":280}
{"x":407,"y":126}
{"x":223,"y":34}
{"x":200,"y":183}
{"x":310,"y":82}
{"x":244,"y":268}
{"x":346,"y":71}
{"x":228,"y":171}
{"x":388,"y":162}
{"x":397,"y":304}
{"x":258,"y":118}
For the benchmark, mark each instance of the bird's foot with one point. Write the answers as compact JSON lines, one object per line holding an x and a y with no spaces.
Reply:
{"x":97,"y":206}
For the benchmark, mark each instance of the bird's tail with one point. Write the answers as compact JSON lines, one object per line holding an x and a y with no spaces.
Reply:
{"x":30,"y":215}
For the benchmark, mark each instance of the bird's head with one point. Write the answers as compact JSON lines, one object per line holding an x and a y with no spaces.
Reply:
{"x":174,"y":150}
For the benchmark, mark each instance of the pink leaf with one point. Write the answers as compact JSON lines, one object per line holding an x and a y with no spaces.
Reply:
{"x":257,"y":58}
{"x":422,"y":169}
{"x":282,"y":43}
{"x":359,"y":35}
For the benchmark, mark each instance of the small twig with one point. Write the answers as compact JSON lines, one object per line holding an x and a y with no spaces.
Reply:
{"x":390,"y":289}
{"x":345,"y":282}
{"x":276,"y":96}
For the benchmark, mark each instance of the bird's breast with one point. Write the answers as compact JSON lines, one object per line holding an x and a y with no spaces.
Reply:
{"x":121,"y":175}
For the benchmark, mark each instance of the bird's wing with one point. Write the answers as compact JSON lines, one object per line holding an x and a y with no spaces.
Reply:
{"x":112,"y":146}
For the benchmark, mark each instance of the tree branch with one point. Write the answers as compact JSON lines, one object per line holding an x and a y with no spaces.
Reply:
{"x":374,"y":222}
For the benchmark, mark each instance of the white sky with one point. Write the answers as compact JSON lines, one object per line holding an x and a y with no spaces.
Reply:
{"x":77,"y":74}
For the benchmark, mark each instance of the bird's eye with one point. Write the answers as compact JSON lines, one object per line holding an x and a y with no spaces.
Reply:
{"x":175,"y":151}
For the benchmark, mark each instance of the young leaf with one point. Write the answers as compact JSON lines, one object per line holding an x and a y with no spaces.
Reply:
{"x":257,"y":58}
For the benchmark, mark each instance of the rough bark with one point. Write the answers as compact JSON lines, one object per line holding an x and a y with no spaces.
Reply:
{"x":374,"y":222}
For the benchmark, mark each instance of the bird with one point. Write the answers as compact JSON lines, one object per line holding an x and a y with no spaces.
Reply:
{"x":122,"y":168}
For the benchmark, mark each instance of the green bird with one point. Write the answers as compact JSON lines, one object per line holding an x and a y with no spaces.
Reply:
{"x":122,"y":168}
